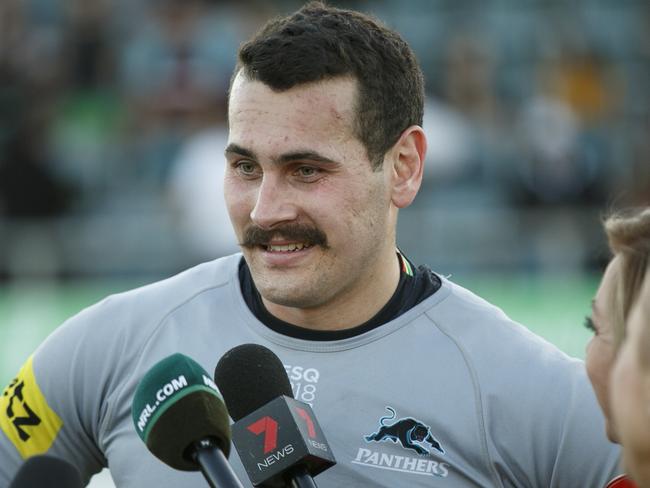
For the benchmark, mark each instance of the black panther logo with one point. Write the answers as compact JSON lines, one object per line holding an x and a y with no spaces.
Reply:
{"x":411,"y":433}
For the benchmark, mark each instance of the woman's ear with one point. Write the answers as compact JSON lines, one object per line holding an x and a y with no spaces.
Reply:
{"x":408,"y":166}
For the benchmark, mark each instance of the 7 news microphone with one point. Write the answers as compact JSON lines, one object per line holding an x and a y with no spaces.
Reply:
{"x":44,"y":470}
{"x":277,"y":437}
{"x":179,"y":414}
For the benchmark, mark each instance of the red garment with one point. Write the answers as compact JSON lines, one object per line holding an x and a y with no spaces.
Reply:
{"x":621,"y":481}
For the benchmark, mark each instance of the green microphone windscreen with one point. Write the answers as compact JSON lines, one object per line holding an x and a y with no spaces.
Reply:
{"x":175,"y":405}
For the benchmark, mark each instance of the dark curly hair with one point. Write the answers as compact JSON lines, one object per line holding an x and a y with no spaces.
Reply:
{"x":319,"y":42}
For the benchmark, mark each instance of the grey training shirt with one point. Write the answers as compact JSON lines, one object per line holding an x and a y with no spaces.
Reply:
{"x":500,"y":406}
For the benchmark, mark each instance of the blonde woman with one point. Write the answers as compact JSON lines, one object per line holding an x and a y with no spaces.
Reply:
{"x":630,"y":390}
{"x":628,"y":235}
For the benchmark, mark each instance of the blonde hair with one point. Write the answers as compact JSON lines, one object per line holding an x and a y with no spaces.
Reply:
{"x":643,"y":307}
{"x":628,"y":234}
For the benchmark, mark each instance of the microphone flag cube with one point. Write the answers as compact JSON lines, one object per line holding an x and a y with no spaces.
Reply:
{"x":175,"y":404}
{"x":277,"y":437}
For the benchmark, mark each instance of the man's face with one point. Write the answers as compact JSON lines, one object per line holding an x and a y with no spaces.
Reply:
{"x":315,"y":221}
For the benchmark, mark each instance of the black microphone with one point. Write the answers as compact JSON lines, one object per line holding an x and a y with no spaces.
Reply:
{"x":277,"y":437}
{"x":179,"y":414}
{"x":44,"y":470}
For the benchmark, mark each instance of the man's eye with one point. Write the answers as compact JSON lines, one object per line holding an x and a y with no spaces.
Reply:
{"x":246,"y":168}
{"x":307,"y":171}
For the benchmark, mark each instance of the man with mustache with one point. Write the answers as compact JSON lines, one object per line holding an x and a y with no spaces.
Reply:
{"x":325,"y":147}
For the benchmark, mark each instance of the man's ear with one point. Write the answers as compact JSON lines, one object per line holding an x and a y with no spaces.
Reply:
{"x":407,"y":165}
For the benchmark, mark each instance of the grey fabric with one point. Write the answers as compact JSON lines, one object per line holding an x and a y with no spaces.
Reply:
{"x":506,"y":408}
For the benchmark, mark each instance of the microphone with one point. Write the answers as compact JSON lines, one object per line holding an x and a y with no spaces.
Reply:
{"x":43,"y":470}
{"x":179,"y":414}
{"x":277,"y":437}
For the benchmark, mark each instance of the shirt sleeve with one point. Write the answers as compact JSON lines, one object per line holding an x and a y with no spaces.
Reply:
{"x":56,"y":403}
{"x":544,"y":425}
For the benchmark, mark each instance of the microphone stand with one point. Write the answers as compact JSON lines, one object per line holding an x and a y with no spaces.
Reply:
{"x":302,"y":479}
{"x":214,"y":465}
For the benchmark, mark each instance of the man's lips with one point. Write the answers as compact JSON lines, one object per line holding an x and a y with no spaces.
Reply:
{"x":288,"y":238}
{"x":283,"y":254}
{"x":290,"y":247}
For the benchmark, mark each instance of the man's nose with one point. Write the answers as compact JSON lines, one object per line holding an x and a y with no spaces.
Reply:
{"x":275,"y":204}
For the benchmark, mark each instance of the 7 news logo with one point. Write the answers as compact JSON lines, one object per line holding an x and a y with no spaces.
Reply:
{"x":281,"y":434}
{"x":268,"y":427}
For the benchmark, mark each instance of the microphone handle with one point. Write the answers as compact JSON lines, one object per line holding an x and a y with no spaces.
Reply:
{"x":214,"y":465}
{"x":302,"y":479}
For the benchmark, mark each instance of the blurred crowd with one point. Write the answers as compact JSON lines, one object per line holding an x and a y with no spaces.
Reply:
{"x":113,"y":124}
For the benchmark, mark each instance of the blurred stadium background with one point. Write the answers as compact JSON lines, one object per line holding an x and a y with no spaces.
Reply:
{"x":112,"y":127}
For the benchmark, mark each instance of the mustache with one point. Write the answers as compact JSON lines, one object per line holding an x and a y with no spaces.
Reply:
{"x":256,"y":236}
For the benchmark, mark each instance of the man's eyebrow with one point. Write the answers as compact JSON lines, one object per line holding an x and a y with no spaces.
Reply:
{"x":304,"y":155}
{"x":282,"y":159}
{"x":236,"y":149}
